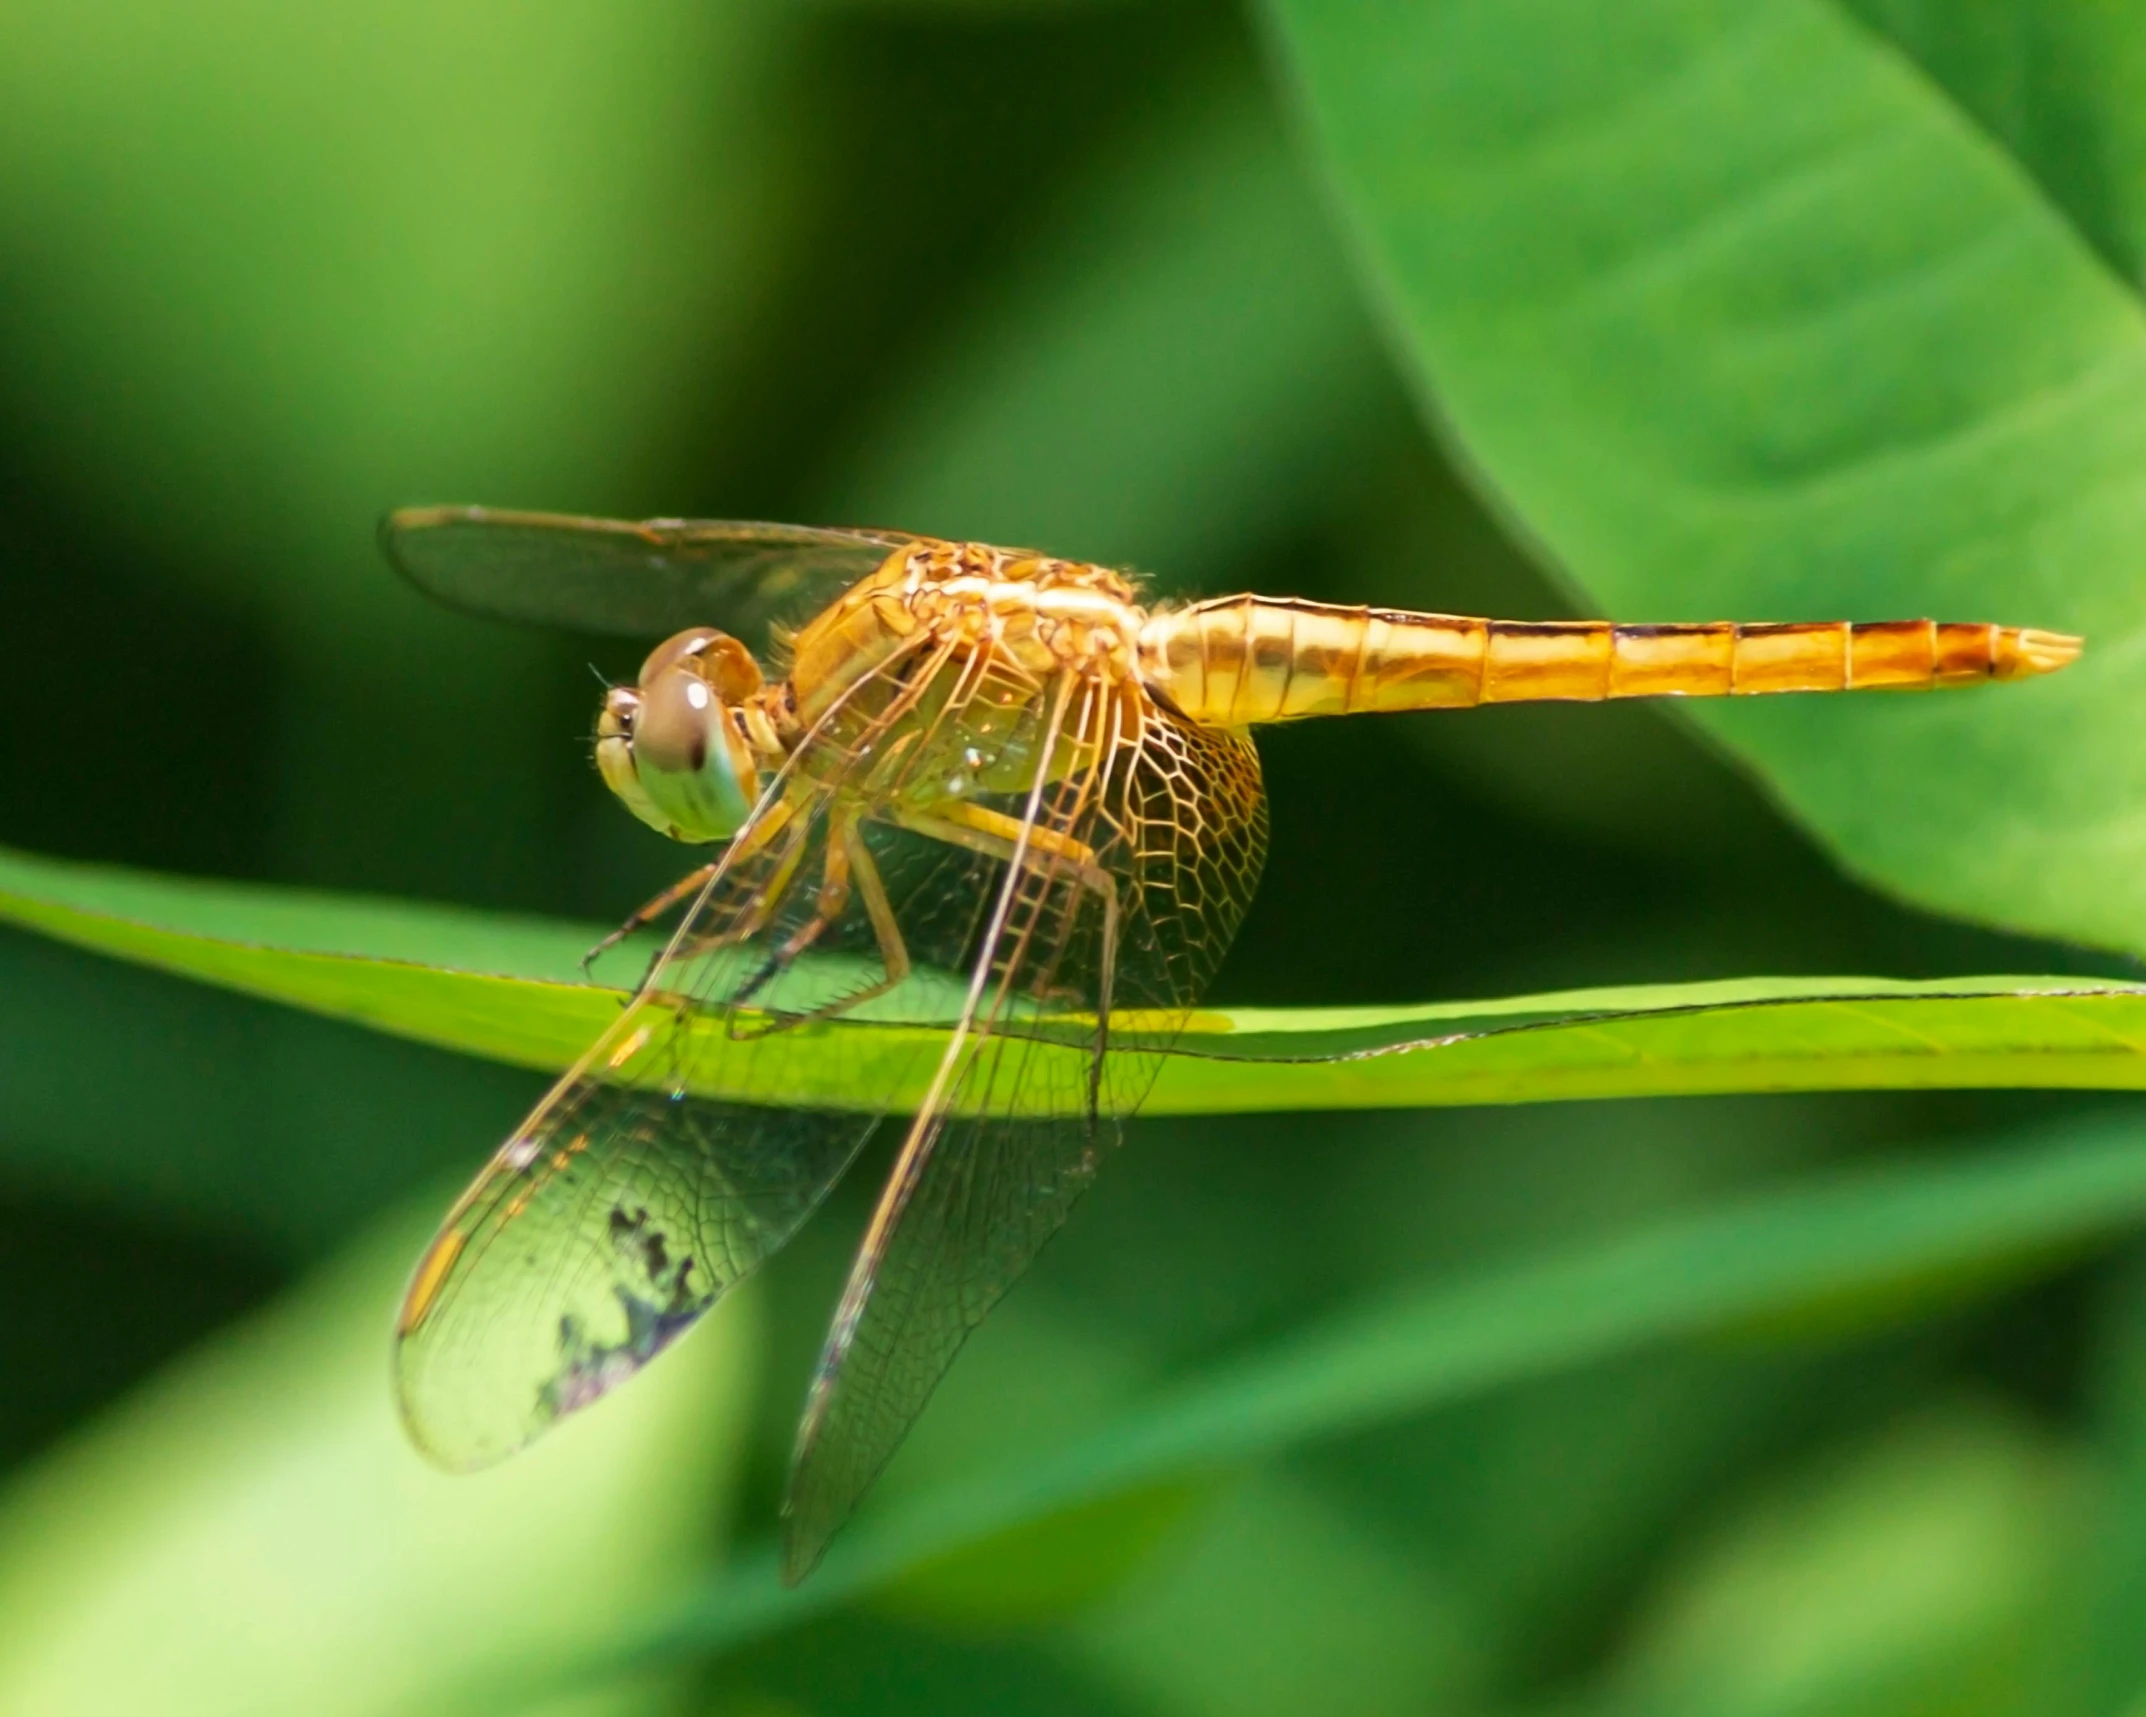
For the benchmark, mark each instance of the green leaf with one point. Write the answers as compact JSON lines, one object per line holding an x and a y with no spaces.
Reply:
{"x":2061,"y":86}
{"x":1438,"y":1342}
{"x":1739,"y":314}
{"x":505,"y":988}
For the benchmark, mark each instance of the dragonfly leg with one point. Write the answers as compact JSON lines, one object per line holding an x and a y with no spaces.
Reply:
{"x":893,"y":951}
{"x":683,"y":889}
{"x":998,"y":836}
{"x":691,"y":884}
{"x":849,"y":868}
{"x":835,"y":876}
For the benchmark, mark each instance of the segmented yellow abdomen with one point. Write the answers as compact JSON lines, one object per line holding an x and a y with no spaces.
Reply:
{"x":1247,"y":659}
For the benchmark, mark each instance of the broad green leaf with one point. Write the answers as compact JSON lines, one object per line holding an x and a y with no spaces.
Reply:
{"x":503,"y":988}
{"x":1741,"y":315}
{"x":2061,"y":84}
{"x":1422,"y":1346}
{"x":252,"y":1532}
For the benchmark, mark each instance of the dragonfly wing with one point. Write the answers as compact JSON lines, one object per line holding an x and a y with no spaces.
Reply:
{"x":660,"y":1171}
{"x":672,"y":1159}
{"x":990,"y":1171}
{"x":640,"y":579}
{"x":561,"y":1277}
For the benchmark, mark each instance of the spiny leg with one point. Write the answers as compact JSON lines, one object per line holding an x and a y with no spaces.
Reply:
{"x":643,"y":916}
{"x":687,"y":886}
{"x":849,"y":866}
{"x":893,"y":951}
{"x":762,"y":906}
{"x":996,"y":835}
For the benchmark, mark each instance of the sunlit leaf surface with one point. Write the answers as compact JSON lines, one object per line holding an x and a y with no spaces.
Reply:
{"x":1841,"y":357}
{"x":502,"y":988}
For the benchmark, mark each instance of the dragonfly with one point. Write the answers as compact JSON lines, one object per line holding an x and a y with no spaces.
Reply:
{"x":947,"y":782}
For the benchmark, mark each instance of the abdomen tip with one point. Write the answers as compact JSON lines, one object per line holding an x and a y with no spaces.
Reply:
{"x":2036,"y":652}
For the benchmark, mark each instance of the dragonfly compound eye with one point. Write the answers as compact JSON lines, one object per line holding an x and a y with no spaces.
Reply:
{"x":718,"y":658}
{"x":615,"y":724}
{"x":689,"y":755}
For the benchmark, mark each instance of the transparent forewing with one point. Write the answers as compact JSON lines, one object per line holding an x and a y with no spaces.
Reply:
{"x":561,"y":1281}
{"x":625,"y":1204}
{"x":672,"y":1159}
{"x":643,"y":579}
{"x":1175,"y":817}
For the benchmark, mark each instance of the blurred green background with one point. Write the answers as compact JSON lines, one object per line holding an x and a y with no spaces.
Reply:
{"x":1087,"y":276}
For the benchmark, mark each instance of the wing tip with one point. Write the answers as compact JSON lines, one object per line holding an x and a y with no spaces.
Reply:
{"x":807,"y":1528}
{"x":400,"y":528}
{"x":812,"y":1517}
{"x":398,"y":522}
{"x":801,"y":1553}
{"x":422,"y":1430}
{"x":418,"y":543}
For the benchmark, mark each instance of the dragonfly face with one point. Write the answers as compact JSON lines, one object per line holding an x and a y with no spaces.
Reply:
{"x":995,"y":795}
{"x":677,"y":747}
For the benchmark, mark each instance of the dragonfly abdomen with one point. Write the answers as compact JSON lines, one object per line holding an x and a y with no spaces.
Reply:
{"x":1243,"y":660}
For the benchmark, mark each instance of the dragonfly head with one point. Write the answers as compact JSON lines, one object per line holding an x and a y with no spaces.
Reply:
{"x":675,"y":747}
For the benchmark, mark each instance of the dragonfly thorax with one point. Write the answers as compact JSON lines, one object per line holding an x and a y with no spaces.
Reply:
{"x":680,"y":747}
